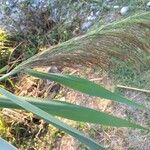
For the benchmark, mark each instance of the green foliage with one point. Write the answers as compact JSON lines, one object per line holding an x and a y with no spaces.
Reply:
{"x":30,"y":51}
{"x":134,"y":4}
{"x":126,"y":75}
{"x":3,"y":127}
{"x":61,"y":33}
{"x":5,"y":47}
{"x":29,"y":44}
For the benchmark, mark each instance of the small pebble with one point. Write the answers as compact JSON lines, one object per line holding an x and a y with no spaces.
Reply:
{"x":7,"y":3}
{"x":148,"y":4}
{"x":116,"y":6}
{"x":124,"y":10}
{"x":62,"y":99}
{"x":54,"y":69}
{"x":86,"y":25}
{"x":55,"y":88}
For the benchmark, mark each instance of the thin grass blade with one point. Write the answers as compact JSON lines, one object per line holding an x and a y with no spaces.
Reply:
{"x":72,"y":112}
{"x":84,"y":86}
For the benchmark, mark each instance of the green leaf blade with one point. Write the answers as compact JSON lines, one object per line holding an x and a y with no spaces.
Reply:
{"x":84,"y":86}
{"x":6,"y":146}
{"x":73,"y":112}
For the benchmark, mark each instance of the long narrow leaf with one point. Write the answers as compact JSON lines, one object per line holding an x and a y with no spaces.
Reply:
{"x":83,"y":86}
{"x":50,"y":119}
{"x":71,"y":111}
